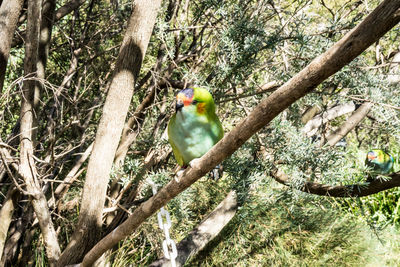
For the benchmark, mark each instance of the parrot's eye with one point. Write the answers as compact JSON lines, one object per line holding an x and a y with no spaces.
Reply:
{"x":194,"y":102}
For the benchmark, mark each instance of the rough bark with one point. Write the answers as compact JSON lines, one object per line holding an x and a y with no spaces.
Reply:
{"x":381,"y":20}
{"x":9,"y":14}
{"x":206,"y":231}
{"x":115,"y":109}
{"x":6,"y":213}
{"x":349,"y":125}
{"x":15,"y":233}
{"x":27,"y":165}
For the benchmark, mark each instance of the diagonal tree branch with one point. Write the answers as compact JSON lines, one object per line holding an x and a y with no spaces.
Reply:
{"x":355,"y":190}
{"x":381,"y":20}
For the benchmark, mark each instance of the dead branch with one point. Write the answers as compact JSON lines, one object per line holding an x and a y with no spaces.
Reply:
{"x":72,"y":174}
{"x":59,"y":14}
{"x":265,"y":88}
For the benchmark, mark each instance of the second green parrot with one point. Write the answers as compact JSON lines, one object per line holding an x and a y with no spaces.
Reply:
{"x":194,"y":128}
{"x":380,"y":161}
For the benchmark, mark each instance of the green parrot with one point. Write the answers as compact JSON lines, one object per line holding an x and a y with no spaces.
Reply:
{"x":194,"y":128}
{"x":380,"y":161}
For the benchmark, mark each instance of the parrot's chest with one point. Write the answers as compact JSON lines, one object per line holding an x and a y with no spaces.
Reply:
{"x":193,"y":135}
{"x":383,"y":167}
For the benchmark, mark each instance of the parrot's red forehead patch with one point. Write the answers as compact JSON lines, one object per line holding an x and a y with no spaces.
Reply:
{"x":186,"y":96}
{"x":371,"y":155}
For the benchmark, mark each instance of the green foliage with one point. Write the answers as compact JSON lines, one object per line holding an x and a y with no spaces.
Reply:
{"x":271,"y":230}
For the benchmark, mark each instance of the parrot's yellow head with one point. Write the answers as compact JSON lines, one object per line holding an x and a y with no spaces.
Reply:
{"x":195,"y":100}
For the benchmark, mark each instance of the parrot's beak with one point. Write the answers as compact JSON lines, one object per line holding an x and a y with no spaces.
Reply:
{"x":179,"y":105}
{"x":371,"y":156}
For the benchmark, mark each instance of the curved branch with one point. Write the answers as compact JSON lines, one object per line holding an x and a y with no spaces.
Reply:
{"x":355,"y":190}
{"x":381,"y":20}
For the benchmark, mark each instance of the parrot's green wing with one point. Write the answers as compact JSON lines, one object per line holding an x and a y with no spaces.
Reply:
{"x":177,"y":155}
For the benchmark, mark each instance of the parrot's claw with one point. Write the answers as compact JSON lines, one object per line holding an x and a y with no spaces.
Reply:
{"x":215,"y":173}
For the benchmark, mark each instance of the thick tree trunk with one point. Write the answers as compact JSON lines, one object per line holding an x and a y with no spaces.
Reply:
{"x":6,"y":213}
{"x":115,"y":109}
{"x":381,"y":20}
{"x":27,"y":164}
{"x":9,"y":14}
{"x":15,"y":233}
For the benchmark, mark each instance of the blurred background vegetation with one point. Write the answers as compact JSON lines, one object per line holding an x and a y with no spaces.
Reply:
{"x":232,"y":48}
